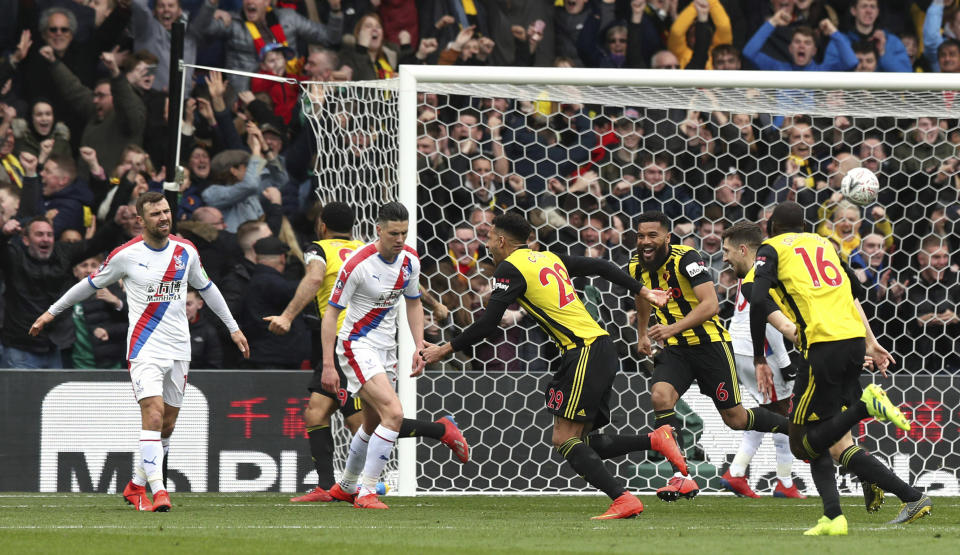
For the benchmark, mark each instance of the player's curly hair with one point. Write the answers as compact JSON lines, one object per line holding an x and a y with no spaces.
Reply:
{"x":654,"y":216}
{"x":338,"y":217}
{"x":513,"y":225}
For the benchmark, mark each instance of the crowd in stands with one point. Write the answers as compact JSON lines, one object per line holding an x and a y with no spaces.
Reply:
{"x":84,"y":121}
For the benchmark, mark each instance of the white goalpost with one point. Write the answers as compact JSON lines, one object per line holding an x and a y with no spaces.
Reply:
{"x":590,"y":147}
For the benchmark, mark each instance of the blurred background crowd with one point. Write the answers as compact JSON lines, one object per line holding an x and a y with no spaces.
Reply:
{"x":84,"y":121}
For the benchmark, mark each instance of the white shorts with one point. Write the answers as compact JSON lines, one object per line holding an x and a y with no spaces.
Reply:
{"x":359,"y":361}
{"x":747,"y":374}
{"x":153,"y":377}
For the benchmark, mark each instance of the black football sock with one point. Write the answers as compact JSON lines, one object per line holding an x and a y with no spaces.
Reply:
{"x":829,"y":431}
{"x":587,"y":463}
{"x":321,"y":450}
{"x":609,"y":446}
{"x":869,"y":469}
{"x":825,"y":478}
{"x":669,"y":416}
{"x":760,"y":419}
{"x":421,"y":428}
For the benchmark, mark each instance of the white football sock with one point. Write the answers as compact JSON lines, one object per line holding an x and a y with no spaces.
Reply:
{"x":356,"y":457}
{"x":749,"y":444}
{"x":151,"y":458}
{"x":139,"y":476}
{"x":378,"y":454}
{"x":784,"y":459}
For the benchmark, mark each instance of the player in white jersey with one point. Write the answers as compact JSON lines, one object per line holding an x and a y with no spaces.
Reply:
{"x":740,"y":244}
{"x":156,"y":268}
{"x":369,"y":287}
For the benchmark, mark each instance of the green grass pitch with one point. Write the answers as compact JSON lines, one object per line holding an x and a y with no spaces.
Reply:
{"x":212,"y":523}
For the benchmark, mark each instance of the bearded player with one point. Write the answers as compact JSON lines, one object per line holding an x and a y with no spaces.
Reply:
{"x":156,"y":268}
{"x":579,"y":393}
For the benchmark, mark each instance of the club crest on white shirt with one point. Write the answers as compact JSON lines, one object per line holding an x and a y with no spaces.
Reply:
{"x":178,"y":262}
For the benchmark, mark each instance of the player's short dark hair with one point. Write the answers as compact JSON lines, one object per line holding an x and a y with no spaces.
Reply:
{"x":392,"y":212}
{"x":338,"y":216}
{"x":513,"y":225}
{"x":654,"y":216}
{"x":787,"y":217}
{"x":744,"y":233}
{"x":149,"y":197}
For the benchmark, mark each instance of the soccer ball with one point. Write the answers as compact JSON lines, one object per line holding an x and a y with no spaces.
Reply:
{"x":860,"y":186}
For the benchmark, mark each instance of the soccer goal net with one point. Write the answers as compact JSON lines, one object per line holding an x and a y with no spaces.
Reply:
{"x":582,"y":153}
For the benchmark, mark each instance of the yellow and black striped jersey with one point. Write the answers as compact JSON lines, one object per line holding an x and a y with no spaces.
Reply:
{"x":813,"y":286}
{"x":679,"y":274}
{"x":333,"y":252}
{"x":540,"y":282}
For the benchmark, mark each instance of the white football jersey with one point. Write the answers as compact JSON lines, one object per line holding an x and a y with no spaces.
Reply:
{"x":370,"y":287}
{"x":156,"y":285}
{"x":739,"y":329}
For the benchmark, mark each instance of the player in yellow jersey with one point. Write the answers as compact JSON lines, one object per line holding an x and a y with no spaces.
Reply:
{"x":579,"y":393}
{"x":695,"y":345}
{"x":324,"y":259}
{"x":816,"y":291}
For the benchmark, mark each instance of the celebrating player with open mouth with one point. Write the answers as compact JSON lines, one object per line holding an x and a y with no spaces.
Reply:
{"x":579,"y":393}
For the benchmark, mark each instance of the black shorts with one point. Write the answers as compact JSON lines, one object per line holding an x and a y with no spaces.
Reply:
{"x":348,"y":404}
{"x":580,"y":387}
{"x":710,"y":364}
{"x":830,"y":382}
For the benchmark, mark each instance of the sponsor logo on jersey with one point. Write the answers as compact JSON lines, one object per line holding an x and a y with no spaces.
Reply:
{"x":760,"y":261}
{"x":694,"y":268}
{"x":502,"y":284}
{"x":388,"y":298}
{"x":165,"y":291}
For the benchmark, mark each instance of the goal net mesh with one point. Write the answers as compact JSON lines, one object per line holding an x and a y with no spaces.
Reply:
{"x":582,"y":162}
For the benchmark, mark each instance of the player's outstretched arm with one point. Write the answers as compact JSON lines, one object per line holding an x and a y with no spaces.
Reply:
{"x":707,"y":307}
{"x":509,"y":284}
{"x":306,"y":292}
{"x":644,"y":346}
{"x":214,"y":299}
{"x":80,"y":292}
{"x":475,"y":333}
{"x":582,"y":266}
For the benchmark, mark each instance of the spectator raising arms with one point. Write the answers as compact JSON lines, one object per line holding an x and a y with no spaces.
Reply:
{"x":839,"y":55}
{"x":246,"y":34}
